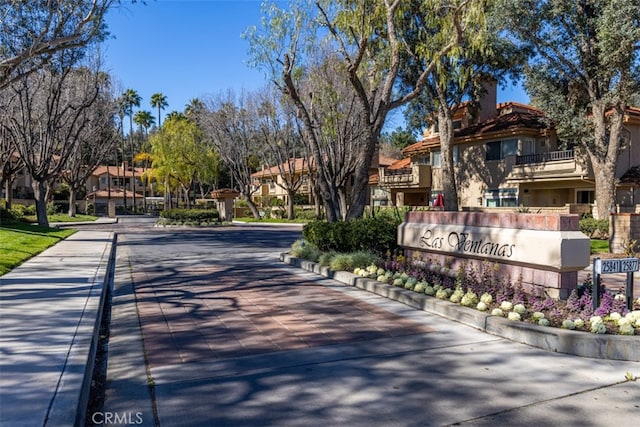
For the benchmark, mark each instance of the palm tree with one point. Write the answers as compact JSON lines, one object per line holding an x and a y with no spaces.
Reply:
{"x":122,"y":111}
{"x":131,"y":99}
{"x":193,"y":108}
{"x":144,"y":120}
{"x":159,"y":101}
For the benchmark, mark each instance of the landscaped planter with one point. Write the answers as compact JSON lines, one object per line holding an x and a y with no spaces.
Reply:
{"x":559,"y":340}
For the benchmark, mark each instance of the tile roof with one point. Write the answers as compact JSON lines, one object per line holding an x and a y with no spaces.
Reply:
{"x":531,"y":119}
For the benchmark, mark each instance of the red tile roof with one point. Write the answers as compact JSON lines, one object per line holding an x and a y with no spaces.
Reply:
{"x":531,"y":120}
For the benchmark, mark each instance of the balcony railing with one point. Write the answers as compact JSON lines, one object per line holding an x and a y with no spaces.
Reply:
{"x":403,"y":171}
{"x":553,"y":156}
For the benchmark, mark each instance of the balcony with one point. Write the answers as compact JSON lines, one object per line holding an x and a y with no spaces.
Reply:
{"x":554,"y":165}
{"x":553,"y":156}
{"x":416,"y":176}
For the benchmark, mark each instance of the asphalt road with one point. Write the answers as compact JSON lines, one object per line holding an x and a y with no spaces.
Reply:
{"x":209,"y":329}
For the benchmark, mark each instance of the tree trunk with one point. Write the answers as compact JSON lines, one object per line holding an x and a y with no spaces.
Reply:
{"x":252,"y":206}
{"x":40,"y":196}
{"x":8,"y":196}
{"x":359,"y":190}
{"x":290,"y":206}
{"x":605,"y":189}
{"x":449,"y":188}
{"x":72,"y":202}
{"x":342,"y":202}
{"x":603,"y":155}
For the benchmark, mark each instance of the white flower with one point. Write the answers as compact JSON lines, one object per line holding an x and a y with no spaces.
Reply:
{"x":486,"y":298}
{"x":598,"y":328}
{"x":619,"y":297}
{"x":537,"y":315}
{"x":506,"y":306}
{"x":520,"y":308}
{"x":624,"y":321}
{"x":626,"y":329}
{"x":482,"y":306}
{"x":568,"y":324}
{"x":579,"y":323}
{"x":595,"y":319}
{"x":544,"y":322}
{"x":497,"y":312}
{"x":357,"y":271}
{"x":615,"y":316}
{"x":514,"y":316}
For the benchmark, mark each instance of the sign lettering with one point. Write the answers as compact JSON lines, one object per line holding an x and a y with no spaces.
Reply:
{"x":620,"y":265}
{"x":465,"y":243}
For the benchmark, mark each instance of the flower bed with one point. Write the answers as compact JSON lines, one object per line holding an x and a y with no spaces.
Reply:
{"x":485,"y":292}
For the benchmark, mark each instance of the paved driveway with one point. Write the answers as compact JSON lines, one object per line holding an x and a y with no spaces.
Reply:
{"x":228,"y":336}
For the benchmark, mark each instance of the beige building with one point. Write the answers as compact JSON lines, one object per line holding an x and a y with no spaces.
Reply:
{"x":115,"y":183}
{"x":509,"y":157}
{"x":269,"y":182}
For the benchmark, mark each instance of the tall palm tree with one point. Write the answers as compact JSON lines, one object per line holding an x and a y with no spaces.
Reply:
{"x":144,"y":119}
{"x":131,"y":99}
{"x":159,"y":101}
{"x":122,"y":111}
{"x":194,"y":107}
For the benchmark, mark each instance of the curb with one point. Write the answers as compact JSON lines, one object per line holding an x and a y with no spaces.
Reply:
{"x":616,"y":347}
{"x":69,"y":403}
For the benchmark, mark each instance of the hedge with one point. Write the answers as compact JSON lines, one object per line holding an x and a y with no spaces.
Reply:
{"x":375,"y":234}
{"x":190,"y":215}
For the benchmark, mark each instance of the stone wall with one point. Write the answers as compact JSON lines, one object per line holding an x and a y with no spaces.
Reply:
{"x":624,"y":228}
{"x":543,"y":251}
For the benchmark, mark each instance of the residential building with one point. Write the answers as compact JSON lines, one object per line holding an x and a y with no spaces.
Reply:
{"x":507,"y":155}
{"x":269,"y":182}
{"x":115,"y":183}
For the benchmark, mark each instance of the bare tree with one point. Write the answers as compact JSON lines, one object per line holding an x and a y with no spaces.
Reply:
{"x":278,"y":132}
{"x":231,"y":126}
{"x":45,"y":118}
{"x":95,"y":140}
{"x":32,"y":32}
{"x":10,"y":162}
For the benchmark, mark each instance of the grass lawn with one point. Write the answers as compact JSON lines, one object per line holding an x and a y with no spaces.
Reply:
{"x":272,"y":220}
{"x":599,"y":246}
{"x":62,"y":218}
{"x":19,"y":242}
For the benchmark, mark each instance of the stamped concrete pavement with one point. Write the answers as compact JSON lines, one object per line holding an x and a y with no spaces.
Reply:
{"x":209,"y":329}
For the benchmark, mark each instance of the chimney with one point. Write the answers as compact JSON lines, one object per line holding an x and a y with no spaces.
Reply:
{"x":488,"y":98}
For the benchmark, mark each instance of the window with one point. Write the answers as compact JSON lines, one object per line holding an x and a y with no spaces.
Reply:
{"x":421,"y":160}
{"x":498,"y":150}
{"x":436,"y":157}
{"x":585,"y":196}
{"x":503,"y":197}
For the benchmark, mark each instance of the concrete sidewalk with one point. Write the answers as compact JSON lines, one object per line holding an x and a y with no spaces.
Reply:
{"x":50,"y":311}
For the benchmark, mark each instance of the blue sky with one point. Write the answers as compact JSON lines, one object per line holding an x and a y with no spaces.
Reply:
{"x":190,"y":48}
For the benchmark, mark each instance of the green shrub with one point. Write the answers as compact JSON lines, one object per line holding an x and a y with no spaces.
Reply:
{"x":376,"y":234}
{"x":362,"y":259}
{"x":591,"y":226}
{"x":325,"y":258}
{"x":191,"y":216}
{"x":342,"y":262}
{"x":304,"y":250}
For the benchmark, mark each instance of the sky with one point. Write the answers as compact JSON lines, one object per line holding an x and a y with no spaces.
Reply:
{"x":188,"y":49}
